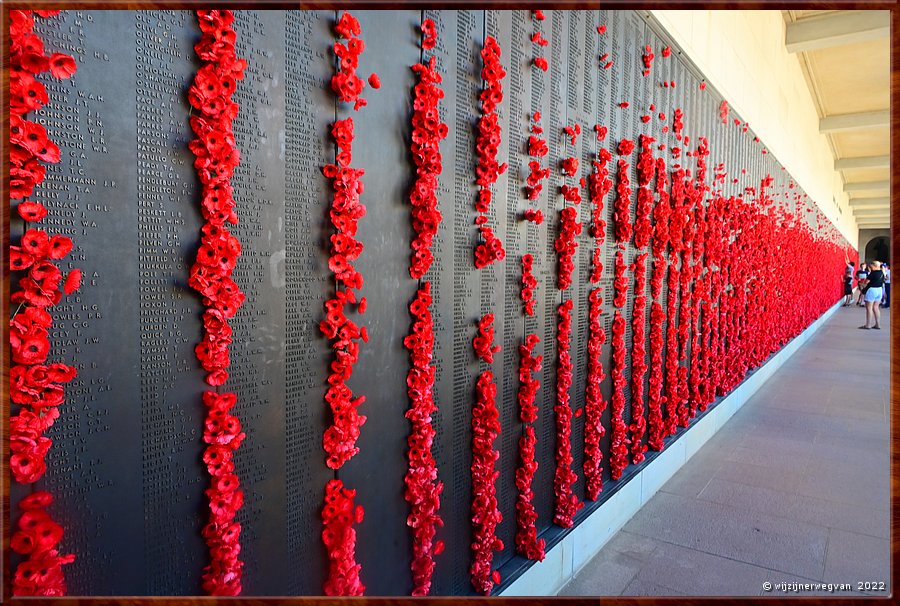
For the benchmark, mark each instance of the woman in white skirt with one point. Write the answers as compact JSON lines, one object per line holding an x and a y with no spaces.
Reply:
{"x":874,"y":285}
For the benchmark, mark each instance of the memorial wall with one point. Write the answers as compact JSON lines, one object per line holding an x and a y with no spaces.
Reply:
{"x":635,"y":184}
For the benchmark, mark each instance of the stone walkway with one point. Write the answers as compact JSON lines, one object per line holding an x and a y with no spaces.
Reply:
{"x":794,"y":488}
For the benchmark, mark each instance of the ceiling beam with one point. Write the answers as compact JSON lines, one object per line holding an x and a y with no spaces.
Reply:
{"x":868,"y":186}
{"x":862,"y":162}
{"x":843,"y":122}
{"x":869,"y":202}
{"x":836,"y":29}
{"x":880,"y":214}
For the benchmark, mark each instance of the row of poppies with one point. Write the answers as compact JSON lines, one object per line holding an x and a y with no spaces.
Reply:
{"x":35,"y":385}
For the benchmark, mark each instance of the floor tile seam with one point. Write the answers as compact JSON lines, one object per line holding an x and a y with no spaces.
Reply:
{"x":583,"y":570}
{"x":664,"y":586}
{"x":724,"y":557}
{"x":793,"y":520}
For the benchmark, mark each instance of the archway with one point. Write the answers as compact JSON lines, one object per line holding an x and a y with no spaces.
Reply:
{"x":878,"y":249}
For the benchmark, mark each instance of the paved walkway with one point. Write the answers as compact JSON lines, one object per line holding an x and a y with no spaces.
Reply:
{"x":794,"y":488}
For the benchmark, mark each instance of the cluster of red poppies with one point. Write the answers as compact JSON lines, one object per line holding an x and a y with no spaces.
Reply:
{"x":483,"y":342}
{"x":528,"y":386}
{"x":685,"y":321}
{"x":216,"y":157}
{"x":655,"y":398}
{"x":566,"y":501}
{"x":529,"y":283}
{"x":34,"y":385}
{"x":537,"y":174}
{"x":723,"y":112}
{"x":594,"y":404}
{"x":345,"y":82}
{"x":429,"y":34}
{"x":661,"y":214}
{"x":678,"y":123}
{"x":674,"y":282}
{"x":540,"y":41}
{"x":570,"y":194}
{"x":700,"y":292}
{"x":677,"y":216}
{"x":659,"y":246}
{"x":427,"y":133}
{"x":222,"y":434}
{"x":599,"y":185}
{"x":566,"y":245}
{"x":338,"y":516}
{"x":37,"y":537}
{"x":622,"y":203}
{"x":647,"y":58}
{"x":686,"y":308}
{"x":569,"y":166}
{"x":620,"y":280}
{"x":537,"y":148}
{"x":423,"y":490}
{"x":487,"y":145}
{"x":618,"y":448}
{"x":211,"y":277}
{"x":485,"y":510}
{"x":527,"y":543}
{"x":646,"y":167}
{"x":535,"y":216}
{"x":339,"y":439}
{"x":29,"y":143}
{"x":638,"y":362}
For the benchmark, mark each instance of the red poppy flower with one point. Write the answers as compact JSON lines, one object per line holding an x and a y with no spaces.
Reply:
{"x":31,"y":211}
{"x":27,"y":467}
{"x":40,"y":499}
{"x":59,"y":247}
{"x":35,"y":243}
{"x":62,"y":66}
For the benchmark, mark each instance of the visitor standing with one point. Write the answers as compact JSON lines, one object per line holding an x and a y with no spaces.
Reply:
{"x":848,"y":283}
{"x":873,"y":290}
{"x":886,"y":300}
{"x":861,"y":275}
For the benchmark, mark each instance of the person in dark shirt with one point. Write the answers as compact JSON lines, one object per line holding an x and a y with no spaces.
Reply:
{"x":874,"y":289}
{"x":848,"y":283}
{"x":861,"y":274}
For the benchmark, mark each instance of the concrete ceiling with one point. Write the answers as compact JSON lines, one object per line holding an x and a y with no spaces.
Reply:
{"x":846,"y":58}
